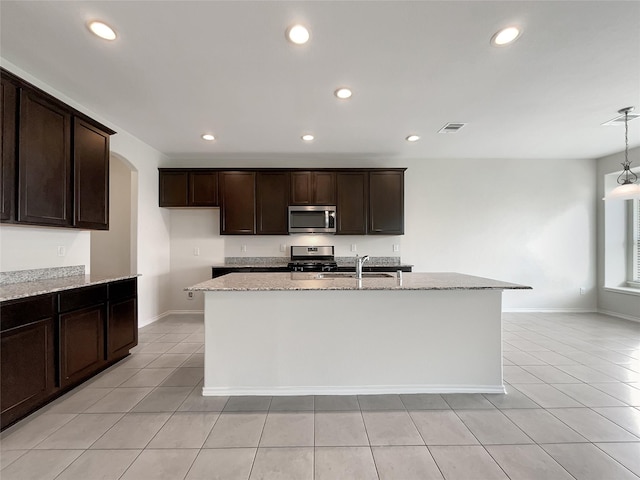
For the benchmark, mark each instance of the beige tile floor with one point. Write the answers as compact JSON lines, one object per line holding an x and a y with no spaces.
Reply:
{"x":572,"y":411}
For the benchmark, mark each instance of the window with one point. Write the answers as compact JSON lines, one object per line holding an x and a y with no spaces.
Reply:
{"x":634,"y":242}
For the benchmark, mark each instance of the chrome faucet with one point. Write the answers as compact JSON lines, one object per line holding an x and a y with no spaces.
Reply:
{"x":359,"y":263}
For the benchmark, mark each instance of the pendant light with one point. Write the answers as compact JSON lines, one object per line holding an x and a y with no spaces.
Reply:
{"x":628,"y":187}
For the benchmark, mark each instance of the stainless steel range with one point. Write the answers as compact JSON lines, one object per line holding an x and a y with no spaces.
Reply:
{"x":312,"y":259}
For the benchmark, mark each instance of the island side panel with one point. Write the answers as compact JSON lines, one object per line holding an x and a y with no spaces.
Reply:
{"x":348,"y":342}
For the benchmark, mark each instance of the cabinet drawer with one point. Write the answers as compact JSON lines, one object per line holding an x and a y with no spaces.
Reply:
{"x":82,"y":297}
{"x":123,"y":289}
{"x":15,"y":313}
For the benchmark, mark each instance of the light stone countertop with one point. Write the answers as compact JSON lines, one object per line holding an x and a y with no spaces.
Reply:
{"x":284,"y":264}
{"x":311,"y":281}
{"x":40,"y":287}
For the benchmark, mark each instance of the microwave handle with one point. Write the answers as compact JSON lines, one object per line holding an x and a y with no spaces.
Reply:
{"x":329,"y":219}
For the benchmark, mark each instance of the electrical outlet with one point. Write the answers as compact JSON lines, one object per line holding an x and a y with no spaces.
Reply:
{"x":62,"y":251}
{"x":583,"y":290}
{"x":283,"y":247}
{"x":396,"y":247}
{"x":243,"y":248}
{"x":354,"y":247}
{"x":189,"y":295}
{"x":196,"y":252}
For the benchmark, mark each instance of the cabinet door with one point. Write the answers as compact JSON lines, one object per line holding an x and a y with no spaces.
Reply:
{"x":122,"y":331}
{"x":8,"y":95}
{"x":301,"y":188}
{"x":28,"y":368}
{"x":238,"y":203}
{"x":324,"y":188}
{"x":44,"y":162}
{"x":272,"y":190}
{"x":81,"y":343}
{"x":386,"y":202}
{"x":91,"y":176}
{"x":203,"y":189}
{"x":173,"y":189}
{"x":313,"y":188}
{"x":352,"y":203}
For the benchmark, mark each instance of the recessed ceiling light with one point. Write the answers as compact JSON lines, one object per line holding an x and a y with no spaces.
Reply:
{"x":102,"y":30}
{"x":343,"y":93}
{"x":208,"y":137}
{"x":298,"y":34}
{"x":412,"y":138}
{"x":307,"y":137}
{"x":505,"y":36}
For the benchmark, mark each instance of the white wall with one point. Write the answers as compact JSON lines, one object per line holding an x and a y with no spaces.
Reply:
{"x":111,"y":249}
{"x":523,"y":221}
{"x":613,"y":297}
{"x":151,"y":235}
{"x":26,"y":248}
{"x":153,"y":225}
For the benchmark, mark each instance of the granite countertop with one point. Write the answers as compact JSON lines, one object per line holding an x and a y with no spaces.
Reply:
{"x":310,"y":281}
{"x":284,"y":264}
{"x":15,"y":291}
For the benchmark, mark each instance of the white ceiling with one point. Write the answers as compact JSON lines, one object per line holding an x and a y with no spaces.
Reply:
{"x":182,"y":68}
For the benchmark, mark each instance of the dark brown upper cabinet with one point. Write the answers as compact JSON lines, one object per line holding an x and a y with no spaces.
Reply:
{"x":386,"y":202}
{"x":203,"y":189}
{"x":8,"y":103}
{"x":352,"y":205}
{"x":55,"y":161}
{"x":313,"y":188}
{"x":91,"y":176}
{"x":44,"y":162}
{"x":188,"y":188}
{"x":368,"y":200}
{"x":174,"y":188}
{"x":272,"y":200}
{"x":237,"y":203}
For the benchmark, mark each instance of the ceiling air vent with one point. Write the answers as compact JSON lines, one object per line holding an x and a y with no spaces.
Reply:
{"x":619,"y":120}
{"x":451,"y":127}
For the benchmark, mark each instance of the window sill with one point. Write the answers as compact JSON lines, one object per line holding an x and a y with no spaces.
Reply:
{"x":624,"y":290}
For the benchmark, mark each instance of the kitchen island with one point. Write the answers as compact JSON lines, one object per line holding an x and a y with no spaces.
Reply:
{"x":330,"y":334}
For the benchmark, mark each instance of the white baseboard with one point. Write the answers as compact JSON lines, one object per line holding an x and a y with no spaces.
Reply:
{"x":151,"y":320}
{"x":549,"y":310}
{"x":352,"y":390}
{"x":184,"y":312}
{"x":619,"y":315}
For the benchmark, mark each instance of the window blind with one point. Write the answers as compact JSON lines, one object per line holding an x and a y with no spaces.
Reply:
{"x":636,"y":240}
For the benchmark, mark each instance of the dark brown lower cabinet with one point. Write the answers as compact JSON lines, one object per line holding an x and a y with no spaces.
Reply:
{"x":51,"y":343}
{"x":81,"y":343}
{"x":27,"y":371}
{"x":122,"y":331}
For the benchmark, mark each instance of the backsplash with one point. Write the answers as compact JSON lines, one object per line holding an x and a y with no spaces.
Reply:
{"x":21,"y":276}
{"x":284,"y":260}
{"x":256,"y":260}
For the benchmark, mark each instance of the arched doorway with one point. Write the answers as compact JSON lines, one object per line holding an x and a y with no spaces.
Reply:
{"x":114,"y":252}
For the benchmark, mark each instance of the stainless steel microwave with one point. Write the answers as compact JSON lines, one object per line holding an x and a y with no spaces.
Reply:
{"x":312,"y":219}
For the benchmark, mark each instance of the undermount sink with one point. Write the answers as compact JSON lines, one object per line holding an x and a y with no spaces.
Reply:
{"x":353,"y":275}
